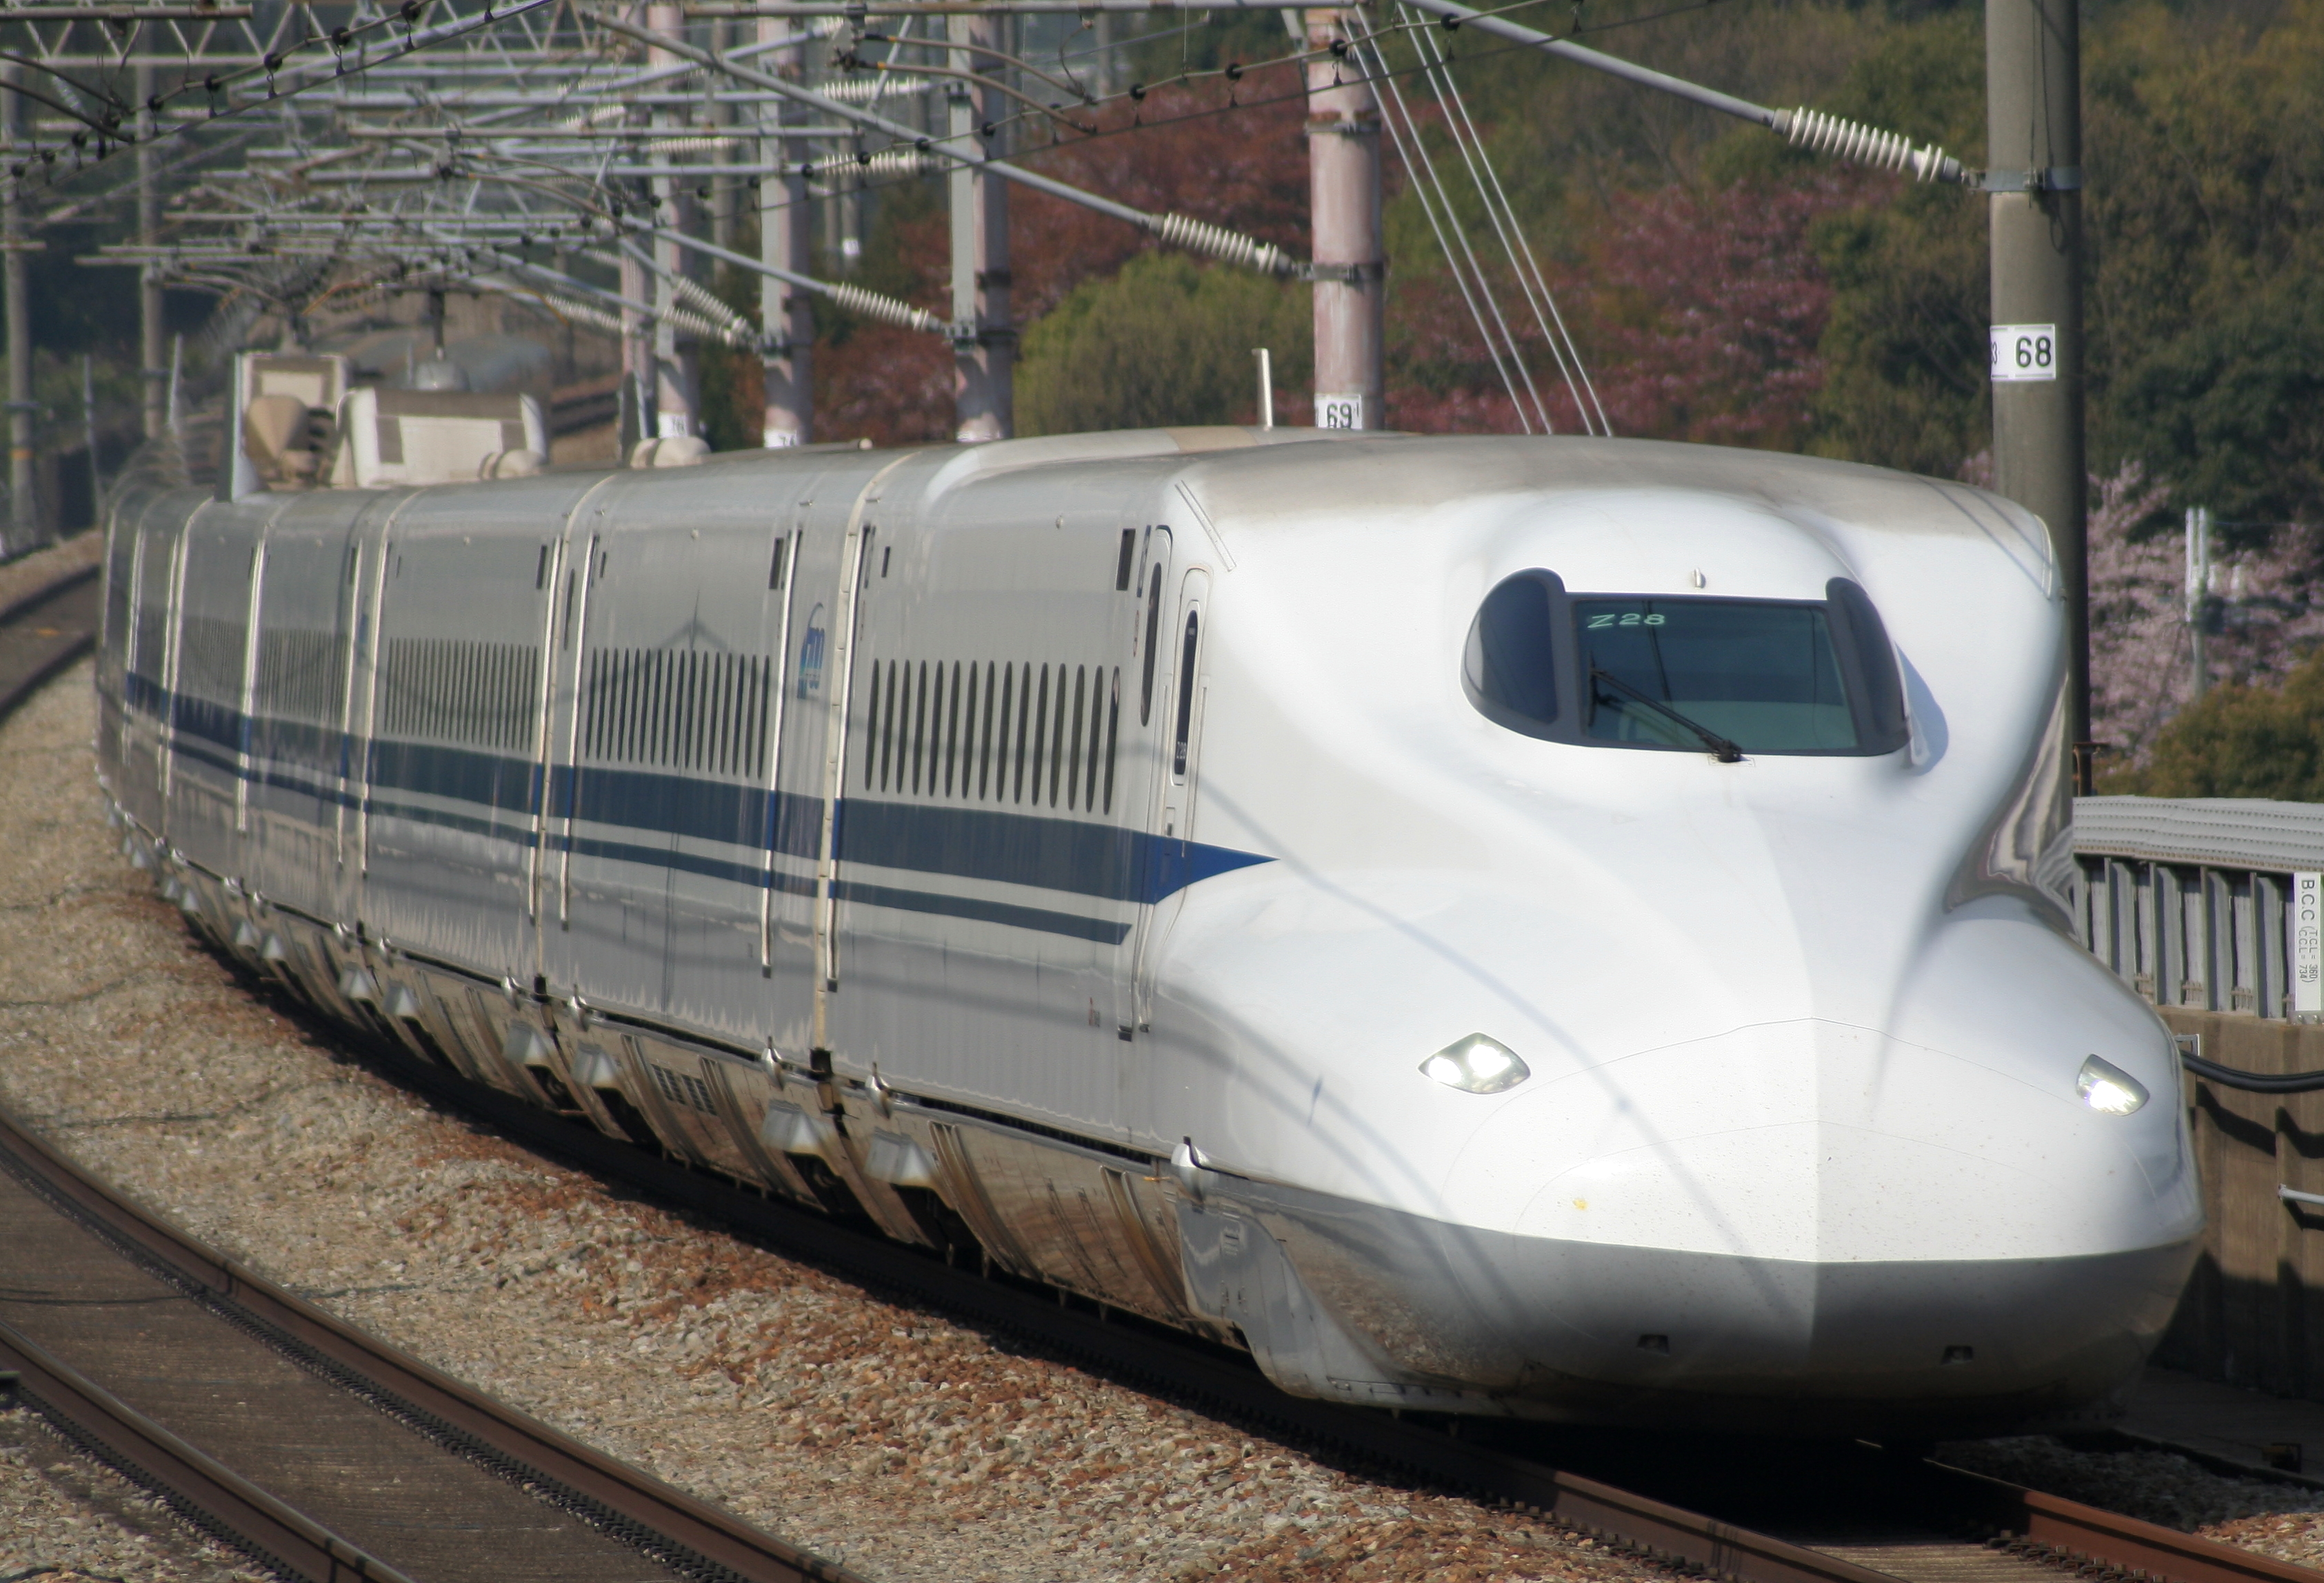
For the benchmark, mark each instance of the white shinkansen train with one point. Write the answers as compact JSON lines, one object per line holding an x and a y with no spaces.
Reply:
{"x":1559,"y":928}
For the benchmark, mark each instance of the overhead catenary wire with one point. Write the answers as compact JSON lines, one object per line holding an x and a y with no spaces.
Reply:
{"x":1514,"y":241}
{"x":1182,"y":230}
{"x":1450,"y":239}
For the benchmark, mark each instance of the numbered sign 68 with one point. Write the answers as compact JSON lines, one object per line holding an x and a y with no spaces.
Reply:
{"x":2022,"y":352}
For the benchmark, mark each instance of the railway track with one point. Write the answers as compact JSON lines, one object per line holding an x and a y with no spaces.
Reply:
{"x":323,"y":1452}
{"x":45,"y":631}
{"x":133,"y":1339}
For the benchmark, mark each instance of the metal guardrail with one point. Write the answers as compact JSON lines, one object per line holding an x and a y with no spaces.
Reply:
{"x":2212,"y":903}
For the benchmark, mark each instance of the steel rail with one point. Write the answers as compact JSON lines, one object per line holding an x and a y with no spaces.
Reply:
{"x":629,"y":1494}
{"x":199,"y":1487}
{"x":66,"y":614}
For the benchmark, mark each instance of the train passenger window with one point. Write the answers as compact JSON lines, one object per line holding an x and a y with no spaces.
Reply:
{"x":1008,"y":698}
{"x":1153,"y":634}
{"x":1040,"y":728}
{"x":1073,"y":764}
{"x":1185,"y":695}
{"x":984,"y":753}
{"x":952,"y":730}
{"x":919,"y":726}
{"x":1762,"y":674}
{"x":1024,"y":712}
{"x":1096,"y":714}
{"x":1112,"y":733}
{"x":1509,"y":670}
{"x":1058,"y":739}
{"x":888,"y":730}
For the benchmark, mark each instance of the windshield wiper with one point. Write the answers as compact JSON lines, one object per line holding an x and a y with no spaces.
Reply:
{"x":1727,"y":751}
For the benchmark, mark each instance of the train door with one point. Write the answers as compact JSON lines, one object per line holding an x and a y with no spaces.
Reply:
{"x":144,"y":732}
{"x":816,"y":562}
{"x":1178,"y":709}
{"x":305,"y":613}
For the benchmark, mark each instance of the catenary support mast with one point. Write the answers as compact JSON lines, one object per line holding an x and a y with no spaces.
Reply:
{"x":1344,"y":174}
{"x":786,"y":241}
{"x":984,"y":342}
{"x":2034,"y":118}
{"x":23,"y":506}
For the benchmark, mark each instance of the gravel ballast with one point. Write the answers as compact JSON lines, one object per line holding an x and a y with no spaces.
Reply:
{"x":898,"y":1443}
{"x":66,"y":1519}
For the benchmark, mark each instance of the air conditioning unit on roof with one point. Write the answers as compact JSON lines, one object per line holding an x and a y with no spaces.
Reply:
{"x":389,"y":437}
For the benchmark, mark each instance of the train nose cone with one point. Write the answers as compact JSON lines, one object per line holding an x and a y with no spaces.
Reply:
{"x":1806,"y":1211}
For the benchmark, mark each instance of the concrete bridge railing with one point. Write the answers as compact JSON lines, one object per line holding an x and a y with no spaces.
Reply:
{"x":2210,"y":907}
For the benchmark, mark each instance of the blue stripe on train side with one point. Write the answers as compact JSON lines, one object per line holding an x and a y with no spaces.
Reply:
{"x":1072,"y":856}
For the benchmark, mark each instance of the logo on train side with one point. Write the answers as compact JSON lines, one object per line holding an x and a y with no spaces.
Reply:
{"x":810,"y":658}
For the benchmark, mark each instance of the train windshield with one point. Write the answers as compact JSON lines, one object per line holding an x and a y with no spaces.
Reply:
{"x":1692,"y":673}
{"x":1727,"y":676}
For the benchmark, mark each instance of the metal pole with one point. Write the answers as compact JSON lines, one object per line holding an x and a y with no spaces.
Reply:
{"x":637,"y":357}
{"x":1343,"y":173}
{"x":786,"y":241}
{"x":2033,"y":130}
{"x":721,"y":188}
{"x":88,"y":437}
{"x":984,"y":340}
{"x":1266,"y":386}
{"x":24,"y":507}
{"x":150,"y":305}
{"x":677,"y":410}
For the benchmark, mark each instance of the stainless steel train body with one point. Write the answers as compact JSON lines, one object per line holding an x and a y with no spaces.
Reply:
{"x":1232,"y":876}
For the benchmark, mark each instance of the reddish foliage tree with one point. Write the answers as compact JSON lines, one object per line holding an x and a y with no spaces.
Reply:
{"x":1180,"y":151}
{"x":1699,"y":316}
{"x":1234,"y":154}
{"x":1698,"y":313}
{"x":884,"y":383}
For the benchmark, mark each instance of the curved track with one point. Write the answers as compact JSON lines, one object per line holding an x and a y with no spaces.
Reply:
{"x":1752,"y":1514}
{"x":44,"y":632}
{"x":321,"y":1450}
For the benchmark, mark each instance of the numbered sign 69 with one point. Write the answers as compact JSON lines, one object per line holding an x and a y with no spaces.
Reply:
{"x":1341,"y":412}
{"x":2025,"y":351}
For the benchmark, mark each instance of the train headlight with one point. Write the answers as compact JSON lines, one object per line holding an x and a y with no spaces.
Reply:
{"x":1480,"y":1065}
{"x":2108,"y":1088}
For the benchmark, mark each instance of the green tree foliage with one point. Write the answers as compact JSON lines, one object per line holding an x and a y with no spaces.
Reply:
{"x":1164,"y":342}
{"x":1904,"y":345}
{"x":2240,"y":742}
{"x":2207,"y":191}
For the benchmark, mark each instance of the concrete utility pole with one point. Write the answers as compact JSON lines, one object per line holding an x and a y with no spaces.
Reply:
{"x":786,"y":241}
{"x":1343,"y":173}
{"x":23,"y":507}
{"x":151,"y":328}
{"x":2033,"y":133}
{"x":676,"y":406}
{"x":722,"y":117}
{"x":985,"y":343}
{"x":637,"y":358}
